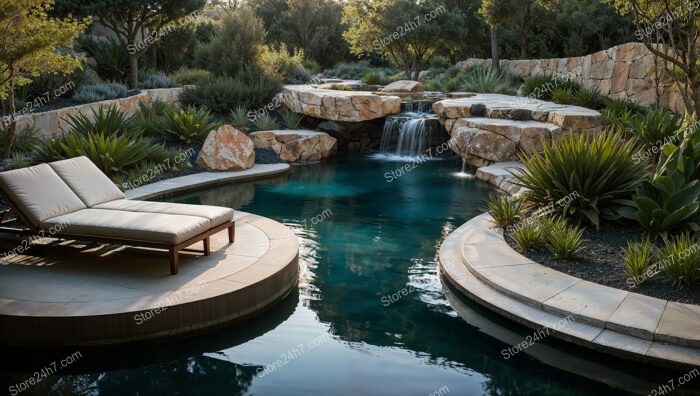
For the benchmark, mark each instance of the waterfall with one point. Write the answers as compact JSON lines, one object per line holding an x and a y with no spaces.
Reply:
{"x":412,"y":137}
{"x":390,"y":126}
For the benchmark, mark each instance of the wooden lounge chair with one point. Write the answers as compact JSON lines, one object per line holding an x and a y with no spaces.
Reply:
{"x":72,"y":199}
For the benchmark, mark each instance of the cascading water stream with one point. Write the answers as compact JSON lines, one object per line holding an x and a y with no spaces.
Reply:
{"x":410,"y":133}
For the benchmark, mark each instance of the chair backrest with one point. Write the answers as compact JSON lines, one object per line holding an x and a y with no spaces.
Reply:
{"x":87,"y":181}
{"x":39,"y":193}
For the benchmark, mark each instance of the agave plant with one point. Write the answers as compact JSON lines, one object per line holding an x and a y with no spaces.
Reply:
{"x":680,"y":260}
{"x":239,"y":118}
{"x":656,"y":127}
{"x":486,"y":80}
{"x":110,"y":122}
{"x":671,"y":197}
{"x":111,"y":153}
{"x":291,"y":119}
{"x":188,"y":125}
{"x":583,"y":178}
{"x":265,"y":122}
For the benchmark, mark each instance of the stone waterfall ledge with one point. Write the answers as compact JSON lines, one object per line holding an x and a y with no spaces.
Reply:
{"x":489,"y":128}
{"x":351,"y":106}
{"x":296,"y":145}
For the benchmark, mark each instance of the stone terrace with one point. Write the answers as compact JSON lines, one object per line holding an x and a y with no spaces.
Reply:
{"x":488,"y":128}
{"x":349,"y":106}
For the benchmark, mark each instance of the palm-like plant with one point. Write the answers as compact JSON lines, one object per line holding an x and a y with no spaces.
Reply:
{"x":190,"y":125}
{"x":110,"y":122}
{"x":581,"y":177}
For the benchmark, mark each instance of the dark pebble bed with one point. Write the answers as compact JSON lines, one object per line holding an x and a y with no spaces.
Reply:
{"x":602,"y":263}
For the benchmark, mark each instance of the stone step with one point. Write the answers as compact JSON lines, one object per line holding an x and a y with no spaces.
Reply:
{"x":607,"y":340}
{"x":296,"y":145}
{"x":568,"y":117}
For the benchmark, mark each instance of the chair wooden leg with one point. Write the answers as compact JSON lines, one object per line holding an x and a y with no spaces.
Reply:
{"x":231,"y":233}
{"x":207,"y":246}
{"x":174,"y":257}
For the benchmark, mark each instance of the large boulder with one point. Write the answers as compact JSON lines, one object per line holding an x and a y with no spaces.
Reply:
{"x":296,"y":145}
{"x":404,"y":86}
{"x":348,"y":106}
{"x":480,"y":147}
{"x":227,"y":149}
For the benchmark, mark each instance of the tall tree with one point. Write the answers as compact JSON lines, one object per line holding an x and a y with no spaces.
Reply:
{"x":30,"y":47}
{"x":135,"y":22}
{"x":404,"y":32}
{"x":670,"y":30}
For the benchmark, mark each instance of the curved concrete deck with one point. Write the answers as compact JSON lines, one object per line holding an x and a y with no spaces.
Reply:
{"x":478,"y":262}
{"x":70,"y":293}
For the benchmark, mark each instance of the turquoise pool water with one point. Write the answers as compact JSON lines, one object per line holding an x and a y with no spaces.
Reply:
{"x":370,"y":316}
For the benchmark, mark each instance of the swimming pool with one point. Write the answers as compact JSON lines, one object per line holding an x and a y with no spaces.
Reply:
{"x":370,"y":316}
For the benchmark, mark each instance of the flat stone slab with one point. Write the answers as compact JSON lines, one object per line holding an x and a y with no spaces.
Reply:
{"x":499,"y":175}
{"x":587,"y":302}
{"x":519,"y":108}
{"x":351,"y":106}
{"x":638,"y":315}
{"x":62,"y":293}
{"x":680,"y":324}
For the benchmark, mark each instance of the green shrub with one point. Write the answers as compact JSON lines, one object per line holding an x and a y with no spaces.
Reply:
{"x":311,"y":65}
{"x":265,"y":122}
{"x":24,"y":140}
{"x":590,"y":98}
{"x":529,"y":236}
{"x":110,"y":122}
{"x":174,"y":49}
{"x":372,"y":78}
{"x":191,"y":76}
{"x":18,"y":160}
{"x":51,"y":86}
{"x":563,"y":95}
{"x":340,"y":87}
{"x":291,"y":119}
{"x":540,"y":86}
{"x":670,"y":199}
{"x":355,"y":71}
{"x":239,"y":118}
{"x":656,"y":127}
{"x":235,"y":46}
{"x":504,"y":209}
{"x":110,"y":55}
{"x":299,"y":76}
{"x":99,"y":92}
{"x":617,"y":112}
{"x":189,"y":125}
{"x":637,"y":258}
{"x":680,"y":259}
{"x":281,"y":62}
{"x":439,"y":61}
{"x":581,"y":177}
{"x":434,"y":85}
{"x":223,"y":94}
{"x":452,"y":84}
{"x":564,"y":241}
{"x":147,"y":121}
{"x":157,"y":80}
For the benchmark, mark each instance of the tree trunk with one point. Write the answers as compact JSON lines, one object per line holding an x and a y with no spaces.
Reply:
{"x":133,"y":71}
{"x":10,"y":135}
{"x":495,"y":60}
{"x":523,"y":44}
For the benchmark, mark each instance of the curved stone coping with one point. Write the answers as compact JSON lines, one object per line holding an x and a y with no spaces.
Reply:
{"x":349,"y":106}
{"x":477,"y":260}
{"x":70,"y":293}
{"x":205,"y":179}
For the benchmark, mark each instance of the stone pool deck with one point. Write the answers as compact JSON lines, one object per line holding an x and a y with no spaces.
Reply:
{"x":478,"y":262}
{"x":71,"y":293}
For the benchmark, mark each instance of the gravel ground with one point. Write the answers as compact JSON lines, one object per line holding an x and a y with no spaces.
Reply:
{"x":602,"y":263}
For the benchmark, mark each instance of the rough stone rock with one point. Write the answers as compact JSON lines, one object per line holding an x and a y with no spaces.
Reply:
{"x":227,"y":149}
{"x":473,"y":142}
{"x":404,"y":86}
{"x":620,"y":76}
{"x":296,"y":145}
{"x":350,"y":106}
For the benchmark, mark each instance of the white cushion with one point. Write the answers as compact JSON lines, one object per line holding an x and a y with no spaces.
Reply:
{"x":216,"y":214}
{"x":87,"y":181}
{"x":39,"y":193}
{"x":136,"y":226}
